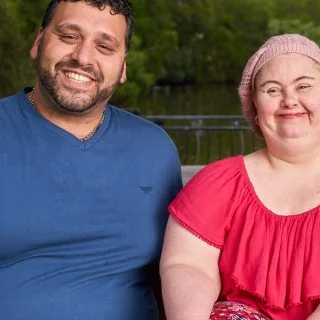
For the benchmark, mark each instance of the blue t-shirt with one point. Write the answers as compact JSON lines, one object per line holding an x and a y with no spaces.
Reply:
{"x":81,"y":223}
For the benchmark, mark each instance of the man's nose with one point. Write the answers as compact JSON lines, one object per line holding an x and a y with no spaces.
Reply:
{"x":84,"y":53}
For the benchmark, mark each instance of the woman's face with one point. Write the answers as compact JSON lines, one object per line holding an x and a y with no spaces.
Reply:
{"x":287,"y":97}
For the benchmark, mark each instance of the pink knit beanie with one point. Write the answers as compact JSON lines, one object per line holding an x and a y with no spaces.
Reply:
{"x":275,"y":46}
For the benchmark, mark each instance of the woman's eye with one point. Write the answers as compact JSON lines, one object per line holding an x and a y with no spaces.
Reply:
{"x":304,"y":86}
{"x":273,"y":92}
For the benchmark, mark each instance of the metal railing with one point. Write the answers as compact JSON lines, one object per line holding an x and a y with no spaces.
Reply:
{"x":204,"y":138}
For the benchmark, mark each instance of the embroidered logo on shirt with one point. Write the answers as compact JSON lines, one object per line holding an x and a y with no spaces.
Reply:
{"x":146,"y":189}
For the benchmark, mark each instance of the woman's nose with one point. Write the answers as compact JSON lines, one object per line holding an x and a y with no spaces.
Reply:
{"x":290,"y":98}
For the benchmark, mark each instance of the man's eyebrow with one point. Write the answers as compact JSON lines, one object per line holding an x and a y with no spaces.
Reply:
{"x":68,"y":26}
{"x":109,"y":38}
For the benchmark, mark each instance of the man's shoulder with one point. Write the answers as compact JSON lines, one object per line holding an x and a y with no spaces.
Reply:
{"x":130,"y":116}
{"x":10,"y":101}
{"x":137,"y":123}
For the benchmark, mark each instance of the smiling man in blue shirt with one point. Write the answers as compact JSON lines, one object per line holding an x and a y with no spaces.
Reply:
{"x":84,"y":185}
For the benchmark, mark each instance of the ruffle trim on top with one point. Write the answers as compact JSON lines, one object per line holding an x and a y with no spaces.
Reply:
{"x":262,"y":298}
{"x":240,"y":284}
{"x":275,"y":258}
{"x":194,"y":232}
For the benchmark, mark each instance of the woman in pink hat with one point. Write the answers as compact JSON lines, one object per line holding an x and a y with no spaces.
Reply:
{"x":243,"y":237}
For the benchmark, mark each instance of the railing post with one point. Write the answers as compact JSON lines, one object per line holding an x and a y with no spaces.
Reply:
{"x":230,"y":134}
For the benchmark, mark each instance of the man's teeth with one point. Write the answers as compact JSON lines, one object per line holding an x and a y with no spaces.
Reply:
{"x":77,"y":77}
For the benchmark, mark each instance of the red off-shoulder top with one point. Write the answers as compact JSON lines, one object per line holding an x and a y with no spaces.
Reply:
{"x":268,"y":261}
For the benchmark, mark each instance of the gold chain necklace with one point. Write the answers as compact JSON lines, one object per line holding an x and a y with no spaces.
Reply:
{"x":91,"y":133}
{"x":86,"y":137}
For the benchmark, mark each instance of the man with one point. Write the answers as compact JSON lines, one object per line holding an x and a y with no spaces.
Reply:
{"x":84,"y":185}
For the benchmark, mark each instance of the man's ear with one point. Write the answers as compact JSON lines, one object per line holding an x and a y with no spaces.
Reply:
{"x":123,"y":77}
{"x":36,"y":43}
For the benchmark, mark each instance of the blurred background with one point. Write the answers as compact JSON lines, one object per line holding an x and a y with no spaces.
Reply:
{"x":184,"y":64}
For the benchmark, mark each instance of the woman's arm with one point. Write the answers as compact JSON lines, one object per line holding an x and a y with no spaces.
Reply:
{"x":189,"y":274}
{"x":315,"y":315}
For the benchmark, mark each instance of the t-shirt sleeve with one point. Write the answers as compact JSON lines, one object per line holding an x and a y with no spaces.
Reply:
{"x":205,"y":205}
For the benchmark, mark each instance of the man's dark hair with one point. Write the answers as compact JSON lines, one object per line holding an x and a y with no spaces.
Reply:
{"x":123,"y":7}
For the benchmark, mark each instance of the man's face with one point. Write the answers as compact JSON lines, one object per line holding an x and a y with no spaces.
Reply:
{"x":80,"y":56}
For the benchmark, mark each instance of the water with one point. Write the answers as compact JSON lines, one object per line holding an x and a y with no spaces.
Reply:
{"x":200,"y":146}
{"x":197,"y":147}
{"x":206,"y":100}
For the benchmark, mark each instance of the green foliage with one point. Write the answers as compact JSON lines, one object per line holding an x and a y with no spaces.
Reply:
{"x":175,"y":41}
{"x":195,"y":22}
{"x":19,"y":22}
{"x":154,"y":41}
{"x":155,"y":27}
{"x":216,"y":37}
{"x":308,"y":29}
{"x":241,"y":26}
{"x":139,"y":78}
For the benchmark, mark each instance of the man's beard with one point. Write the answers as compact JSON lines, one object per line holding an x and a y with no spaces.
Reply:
{"x":74,"y":101}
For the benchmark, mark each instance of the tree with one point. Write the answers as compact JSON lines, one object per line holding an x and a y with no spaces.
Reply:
{"x":308,"y":29}
{"x":154,"y":41}
{"x":216,"y":37}
{"x":19,"y":22}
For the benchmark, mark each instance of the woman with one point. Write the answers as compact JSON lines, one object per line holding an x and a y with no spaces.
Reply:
{"x":244,"y":233}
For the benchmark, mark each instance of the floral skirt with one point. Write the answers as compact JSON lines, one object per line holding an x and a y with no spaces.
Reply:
{"x":235,"y":311}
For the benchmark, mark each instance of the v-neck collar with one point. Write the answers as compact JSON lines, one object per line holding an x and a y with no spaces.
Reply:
{"x":29,"y":111}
